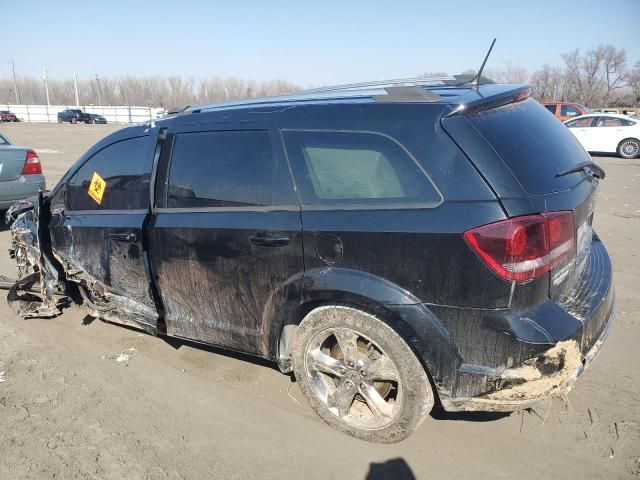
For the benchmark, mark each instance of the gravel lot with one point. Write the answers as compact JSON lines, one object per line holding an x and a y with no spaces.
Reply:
{"x":69,"y":409}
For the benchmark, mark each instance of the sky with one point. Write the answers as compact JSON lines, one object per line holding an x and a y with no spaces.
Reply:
{"x":308,"y":43}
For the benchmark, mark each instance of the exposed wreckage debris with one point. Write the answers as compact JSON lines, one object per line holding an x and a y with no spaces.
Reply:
{"x":45,"y":286}
{"x":37,"y":293}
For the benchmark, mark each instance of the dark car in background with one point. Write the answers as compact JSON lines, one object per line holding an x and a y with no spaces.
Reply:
{"x":7,"y":116}
{"x":74,"y":116}
{"x":95,"y":118}
{"x":393,"y":244}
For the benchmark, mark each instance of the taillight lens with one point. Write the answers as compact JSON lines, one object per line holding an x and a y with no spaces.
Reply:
{"x":523,"y":248}
{"x":32,"y":164}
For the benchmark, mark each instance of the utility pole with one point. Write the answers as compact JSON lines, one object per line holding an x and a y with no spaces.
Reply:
{"x":98,"y":90}
{"x":75,"y":87}
{"x":15,"y":82}
{"x":46,"y":85}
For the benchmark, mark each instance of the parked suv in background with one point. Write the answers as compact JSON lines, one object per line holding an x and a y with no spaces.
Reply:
{"x":393,"y":244}
{"x":566,"y":110}
{"x":74,"y":116}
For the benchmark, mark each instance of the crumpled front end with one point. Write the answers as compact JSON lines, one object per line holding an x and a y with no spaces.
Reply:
{"x":38,"y":292}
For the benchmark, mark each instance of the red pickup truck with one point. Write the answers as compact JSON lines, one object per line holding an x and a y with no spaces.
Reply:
{"x":566,"y":110}
{"x":7,"y":116}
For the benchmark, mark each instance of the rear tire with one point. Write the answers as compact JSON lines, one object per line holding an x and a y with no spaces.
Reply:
{"x":359,"y":375}
{"x":629,"y":148}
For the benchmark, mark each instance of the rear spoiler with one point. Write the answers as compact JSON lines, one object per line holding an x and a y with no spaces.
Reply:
{"x":480,"y":102}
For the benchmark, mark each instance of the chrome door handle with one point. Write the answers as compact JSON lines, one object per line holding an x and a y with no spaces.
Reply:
{"x":269,"y":241}
{"x":124,"y":237}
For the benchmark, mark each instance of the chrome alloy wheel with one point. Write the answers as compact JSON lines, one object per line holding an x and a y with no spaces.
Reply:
{"x":353,"y":378}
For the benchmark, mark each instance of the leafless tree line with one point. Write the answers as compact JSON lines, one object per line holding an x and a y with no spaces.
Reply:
{"x":596,"y":78}
{"x":146,"y":91}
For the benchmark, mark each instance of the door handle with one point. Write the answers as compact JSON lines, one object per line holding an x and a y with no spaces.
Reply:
{"x":271,"y":241}
{"x":124,"y":237}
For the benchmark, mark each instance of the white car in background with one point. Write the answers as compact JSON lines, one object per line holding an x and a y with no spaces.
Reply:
{"x":607,"y":133}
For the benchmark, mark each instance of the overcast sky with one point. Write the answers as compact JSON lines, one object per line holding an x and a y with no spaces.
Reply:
{"x":309,"y":43}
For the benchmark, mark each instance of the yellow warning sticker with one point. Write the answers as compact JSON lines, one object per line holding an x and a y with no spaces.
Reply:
{"x":97,"y":188}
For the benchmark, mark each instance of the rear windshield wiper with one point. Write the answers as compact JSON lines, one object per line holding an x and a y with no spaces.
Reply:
{"x":590,"y":168}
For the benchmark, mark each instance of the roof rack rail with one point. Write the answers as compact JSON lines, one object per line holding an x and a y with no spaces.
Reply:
{"x":414,"y":81}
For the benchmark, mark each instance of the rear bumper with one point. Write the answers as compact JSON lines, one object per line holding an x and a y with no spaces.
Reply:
{"x":527,"y":389}
{"x":511,"y":359}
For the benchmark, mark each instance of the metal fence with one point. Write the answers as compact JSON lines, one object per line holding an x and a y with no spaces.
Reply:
{"x":116,"y":114}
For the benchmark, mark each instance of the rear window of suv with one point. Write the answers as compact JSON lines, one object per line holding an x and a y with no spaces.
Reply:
{"x":534,"y":146}
{"x":338,"y":167}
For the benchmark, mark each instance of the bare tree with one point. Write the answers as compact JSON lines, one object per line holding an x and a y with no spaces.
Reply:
{"x":615,"y":70}
{"x":633,"y":82}
{"x":549,"y":83}
{"x":510,"y":73}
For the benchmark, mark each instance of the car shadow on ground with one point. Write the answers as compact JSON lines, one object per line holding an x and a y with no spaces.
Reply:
{"x":394,"y":469}
{"x":438,"y":413}
{"x":176,"y":343}
{"x":179,"y":342}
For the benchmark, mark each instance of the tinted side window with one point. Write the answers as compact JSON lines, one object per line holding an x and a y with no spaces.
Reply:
{"x":581,"y":122}
{"x":125,"y":167}
{"x":227,"y":169}
{"x":356,"y":168}
{"x":551,"y":108}
{"x":569,"y":111}
{"x":610,"y":122}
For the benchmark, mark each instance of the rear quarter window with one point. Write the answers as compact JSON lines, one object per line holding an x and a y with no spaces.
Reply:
{"x":347,"y":168}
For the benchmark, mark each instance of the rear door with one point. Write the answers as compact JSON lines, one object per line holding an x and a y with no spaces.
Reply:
{"x":99,"y":231}
{"x":226,"y":234}
{"x":583,"y":130}
{"x":608,"y":132}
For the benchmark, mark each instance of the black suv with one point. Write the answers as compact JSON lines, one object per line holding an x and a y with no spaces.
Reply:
{"x":394,"y":245}
{"x":74,"y":116}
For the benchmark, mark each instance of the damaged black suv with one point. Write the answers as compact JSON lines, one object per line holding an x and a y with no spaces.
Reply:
{"x":395,"y":244}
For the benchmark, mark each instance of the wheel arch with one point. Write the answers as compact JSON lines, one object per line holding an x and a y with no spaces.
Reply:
{"x":412,"y":320}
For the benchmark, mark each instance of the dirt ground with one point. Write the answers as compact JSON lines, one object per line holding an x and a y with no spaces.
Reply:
{"x":70,"y":409}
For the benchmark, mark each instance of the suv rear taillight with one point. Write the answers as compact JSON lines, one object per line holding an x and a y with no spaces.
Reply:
{"x":32,"y":164}
{"x":523,"y":248}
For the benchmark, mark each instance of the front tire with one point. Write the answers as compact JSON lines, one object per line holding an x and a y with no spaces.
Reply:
{"x":359,"y":375}
{"x":629,"y":148}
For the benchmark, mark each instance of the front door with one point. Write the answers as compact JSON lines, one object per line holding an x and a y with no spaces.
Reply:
{"x":98,"y":229}
{"x":225,"y":236}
